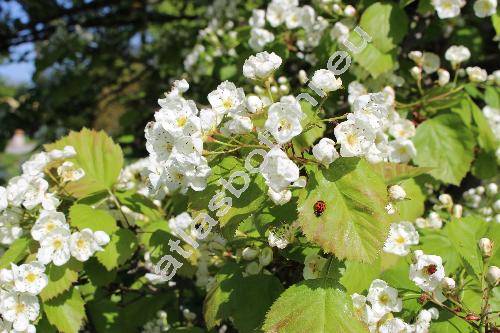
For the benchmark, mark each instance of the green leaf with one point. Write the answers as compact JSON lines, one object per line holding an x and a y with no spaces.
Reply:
{"x":249,"y":203}
{"x":374,"y":61}
{"x":61,"y":278}
{"x":445,"y":144}
{"x":17,"y":251}
{"x":486,"y":138}
{"x":105,"y":316}
{"x":437,"y":242}
{"x":139,"y":204}
{"x":495,"y":19}
{"x":413,"y":206}
{"x":83,"y":216}
{"x":354,"y":224}
{"x":66,"y":312}
{"x":394,"y":173}
{"x":492,"y":96}
{"x":121,"y":248}
{"x":97,"y":155}
{"x":318,"y":306}
{"x":97,"y":273}
{"x":386,"y":23}
{"x":358,"y":276}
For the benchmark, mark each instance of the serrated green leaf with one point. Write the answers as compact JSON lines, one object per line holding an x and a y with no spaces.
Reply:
{"x":358,"y":276}
{"x":414,"y":204}
{"x":307,"y":138}
{"x":97,"y":155}
{"x":139,"y":204}
{"x":374,"y":61}
{"x":434,"y":141}
{"x":318,"y":306}
{"x":105,"y":316}
{"x":83,"y":216}
{"x":354,"y":224}
{"x":61,"y":278}
{"x":486,"y":138}
{"x":121,"y":247}
{"x":17,"y":251}
{"x":492,"y":96}
{"x":97,"y":273}
{"x":394,"y":173}
{"x":386,"y":24}
{"x":66,"y":312}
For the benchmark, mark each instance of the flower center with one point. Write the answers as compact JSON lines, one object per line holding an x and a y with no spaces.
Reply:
{"x":31,"y":277}
{"x":181,"y":121}
{"x":80,"y":243}
{"x":400,"y":240}
{"x":284,"y":125}
{"x":50,"y":226}
{"x":384,"y":298}
{"x":352,"y":139}
{"x":20,"y":308}
{"x":57,"y":244}
{"x":227,"y":103}
{"x":431,"y":269}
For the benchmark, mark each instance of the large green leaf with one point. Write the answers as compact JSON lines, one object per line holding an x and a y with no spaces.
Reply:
{"x":250,"y":202}
{"x":445,"y":144}
{"x":413,"y":206}
{"x":318,"y":306}
{"x":97,"y":155}
{"x":386,"y":23}
{"x":121,"y":247}
{"x":394,"y":173}
{"x":316,"y":130}
{"x":354,"y":224}
{"x":66,"y":312}
{"x":61,"y":278}
{"x":358,"y":276}
{"x":374,"y":61}
{"x":243,"y":299}
{"x":16,"y":252}
{"x":83,"y":216}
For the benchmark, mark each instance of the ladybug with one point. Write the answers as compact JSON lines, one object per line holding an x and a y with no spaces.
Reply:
{"x":319,"y":208}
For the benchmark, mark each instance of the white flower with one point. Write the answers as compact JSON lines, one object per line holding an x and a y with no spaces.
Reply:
{"x":35,"y":193}
{"x":66,"y":152}
{"x":363,"y":310}
{"x":279,"y":198}
{"x":181,"y":222}
{"x":447,"y":8}
{"x":283,"y":120}
{"x":371,"y":111}
{"x":401,"y":236}
{"x":326,"y":81}
{"x":237,"y":125}
{"x":402,"y":129}
{"x":401,"y":151}
{"x":423,"y":321}
{"x":354,"y":140}
{"x":259,"y":38}
{"x":3,"y":198}
{"x":258,"y":19}
{"x":397,"y":193}
{"x":20,"y":309}
{"x":443,"y":77}
{"x":349,"y":11}
{"x":355,"y":90}
{"x":255,"y":104}
{"x":261,"y":66}
{"x":178,"y":115}
{"x":313,"y":265}
{"x":55,"y":247}
{"x":227,"y":98}
{"x":430,"y":62}
{"x":340,"y":32}
{"x":47,"y":222}
{"x":10,"y":228}
{"x":448,"y":283}
{"x":476,"y":74}
{"x":277,"y":11}
{"x":29,"y":278}
{"x":276,"y":240}
{"x":457,"y":54}
{"x":383,"y":298}
{"x":395,"y":325}
{"x":209,"y":120}
{"x":324,"y":151}
{"x":416,"y":56}
{"x":428,"y":271}
{"x":433,"y":221}
{"x":69,"y":172}
{"x":484,"y":8}
{"x":278,"y":170}
{"x":16,"y":189}
{"x":35,"y":165}
{"x":85,"y":243}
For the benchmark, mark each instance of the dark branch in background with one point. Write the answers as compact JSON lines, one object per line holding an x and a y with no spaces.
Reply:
{"x":120,"y":14}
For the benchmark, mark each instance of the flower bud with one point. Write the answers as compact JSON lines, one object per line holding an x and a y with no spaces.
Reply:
{"x":415,"y":72}
{"x":266,"y":256}
{"x":491,"y":189}
{"x":486,"y":247}
{"x":249,"y":254}
{"x":445,"y":200}
{"x":389,"y":208}
{"x":448,"y":283}
{"x":493,"y":275}
{"x":397,"y":193}
{"x":253,"y":268}
{"x":457,"y":211}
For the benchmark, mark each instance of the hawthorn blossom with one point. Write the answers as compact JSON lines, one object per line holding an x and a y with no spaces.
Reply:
{"x":401,"y":236}
{"x":261,"y":66}
{"x":427,"y":272}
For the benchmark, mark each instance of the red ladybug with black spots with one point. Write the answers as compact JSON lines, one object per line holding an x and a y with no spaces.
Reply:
{"x":319,"y":208}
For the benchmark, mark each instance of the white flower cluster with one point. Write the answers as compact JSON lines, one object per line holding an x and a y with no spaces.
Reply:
{"x":377,"y":307}
{"x":157,"y":325}
{"x":175,"y":144}
{"x":451,"y":8}
{"x":401,"y":236}
{"x":375,"y":130}
{"x":30,"y":191}
{"x":492,"y":115}
{"x":484,"y":200}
